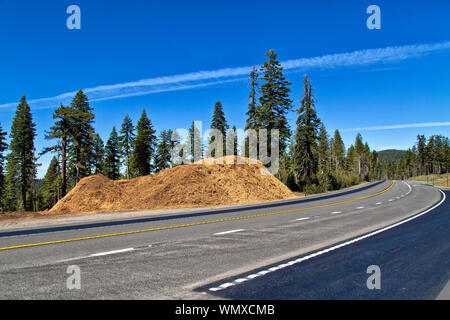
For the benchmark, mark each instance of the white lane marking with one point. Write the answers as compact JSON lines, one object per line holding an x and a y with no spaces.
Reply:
{"x":409,"y":188}
{"x":321,"y":252}
{"x":336,"y":212}
{"x":301,"y":219}
{"x":360,"y":208}
{"x":110,"y":252}
{"x":227,"y":232}
{"x":391,"y":200}
{"x":378,"y":203}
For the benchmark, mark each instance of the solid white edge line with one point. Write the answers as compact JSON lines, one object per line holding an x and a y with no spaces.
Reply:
{"x":227,"y":232}
{"x":321,"y":252}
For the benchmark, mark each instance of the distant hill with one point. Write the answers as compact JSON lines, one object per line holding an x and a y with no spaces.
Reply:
{"x":391,"y":155}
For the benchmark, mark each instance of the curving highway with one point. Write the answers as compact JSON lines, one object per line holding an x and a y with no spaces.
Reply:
{"x":305,"y":248}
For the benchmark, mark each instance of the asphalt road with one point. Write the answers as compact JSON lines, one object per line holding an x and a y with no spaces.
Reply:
{"x":170,"y":256}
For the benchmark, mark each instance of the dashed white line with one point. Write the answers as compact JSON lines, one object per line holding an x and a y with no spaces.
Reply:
{"x":227,"y":232}
{"x":110,"y":252}
{"x":336,"y":212}
{"x":378,"y":203}
{"x":321,"y":252}
{"x":301,"y":219}
{"x":360,"y":208}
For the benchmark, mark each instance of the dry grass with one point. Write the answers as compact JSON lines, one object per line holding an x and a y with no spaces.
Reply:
{"x":438,"y":180}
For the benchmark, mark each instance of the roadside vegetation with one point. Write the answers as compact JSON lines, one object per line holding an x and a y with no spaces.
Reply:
{"x":311,"y":161}
{"x":438,"y":180}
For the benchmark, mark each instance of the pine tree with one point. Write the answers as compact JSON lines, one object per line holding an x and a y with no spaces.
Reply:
{"x":274,"y":100}
{"x":144,"y":147}
{"x":253,"y":113}
{"x":81,"y":148}
{"x":359,"y":150}
{"x":323,"y":150}
{"x":49,"y":192}
{"x":306,"y":135}
{"x":350,"y":159}
{"x":253,"y":108}
{"x":22,"y":149}
{"x":126,"y":138}
{"x":3,"y":148}
{"x":164,"y":151}
{"x":195,"y":139}
{"x":235,"y":142}
{"x":338,"y":150}
{"x":421,"y":145}
{"x":63,"y":131}
{"x":99,"y":153}
{"x":10,"y":198}
{"x":111,"y":167}
{"x":218,"y":122}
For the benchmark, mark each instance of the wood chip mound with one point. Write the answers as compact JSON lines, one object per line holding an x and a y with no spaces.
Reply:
{"x":206,"y":183}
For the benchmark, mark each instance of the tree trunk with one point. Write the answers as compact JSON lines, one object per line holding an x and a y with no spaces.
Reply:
{"x":63,"y":168}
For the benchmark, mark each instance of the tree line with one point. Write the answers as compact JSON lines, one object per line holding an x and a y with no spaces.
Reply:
{"x":310,"y":160}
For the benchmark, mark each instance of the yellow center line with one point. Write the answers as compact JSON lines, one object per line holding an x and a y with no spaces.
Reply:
{"x":194,"y":223}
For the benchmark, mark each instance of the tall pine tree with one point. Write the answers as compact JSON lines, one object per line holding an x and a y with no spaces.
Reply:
{"x":144,"y":147}
{"x":111,"y":166}
{"x":99,"y":153}
{"x":338,"y":148}
{"x":22,"y":155}
{"x":3,"y":148}
{"x":219,"y":122}
{"x":306,"y":136}
{"x":274,"y":101}
{"x":81,"y":148}
{"x":163,"y":151}
{"x":126,"y":138}
{"x":63,"y":131}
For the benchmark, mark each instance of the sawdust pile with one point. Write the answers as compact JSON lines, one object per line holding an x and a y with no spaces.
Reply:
{"x":202,"y":184}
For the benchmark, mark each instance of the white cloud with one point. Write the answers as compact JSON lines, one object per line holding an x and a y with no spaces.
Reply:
{"x":213,"y":77}
{"x":400,"y":126}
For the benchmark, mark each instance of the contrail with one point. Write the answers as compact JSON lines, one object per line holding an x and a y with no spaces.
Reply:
{"x":401,"y":126}
{"x":215,"y":77}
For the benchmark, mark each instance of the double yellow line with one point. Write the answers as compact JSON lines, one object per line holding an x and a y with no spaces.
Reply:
{"x":193,"y":224}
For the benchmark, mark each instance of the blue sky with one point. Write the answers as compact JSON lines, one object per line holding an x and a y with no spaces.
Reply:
{"x":177,"y":58}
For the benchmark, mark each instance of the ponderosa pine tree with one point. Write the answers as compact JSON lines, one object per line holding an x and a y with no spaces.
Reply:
{"x":126,"y":138}
{"x":63,"y":132}
{"x":306,"y":136}
{"x":274,"y":101}
{"x":22,"y":155}
{"x":81,"y":148}
{"x":144,"y":147}
{"x":111,"y":167}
